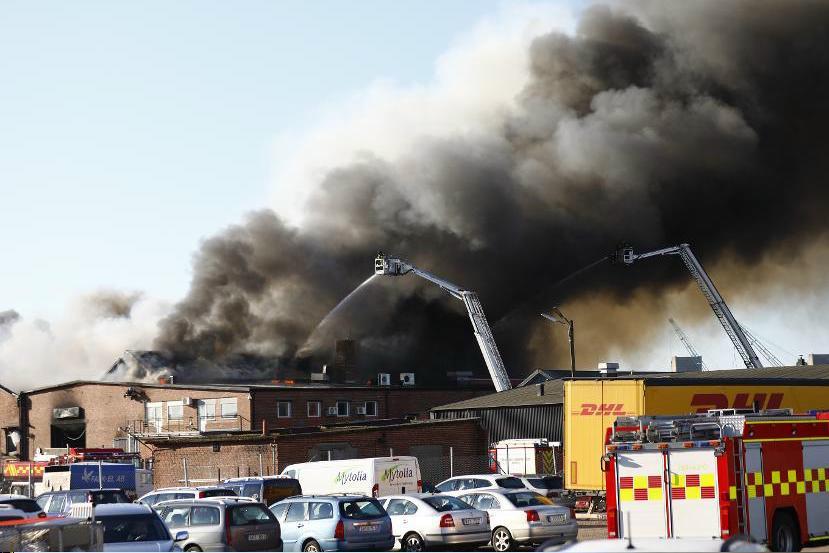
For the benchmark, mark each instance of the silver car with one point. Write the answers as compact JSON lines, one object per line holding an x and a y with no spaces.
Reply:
{"x":334,"y":523}
{"x":181,"y":492}
{"x":425,"y":520}
{"x":222,"y":524}
{"x":131,"y":527}
{"x":470,"y":482}
{"x":522,"y":517}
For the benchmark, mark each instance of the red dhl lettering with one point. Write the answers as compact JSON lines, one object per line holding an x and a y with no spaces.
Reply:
{"x":703,"y":402}
{"x":605,"y":409}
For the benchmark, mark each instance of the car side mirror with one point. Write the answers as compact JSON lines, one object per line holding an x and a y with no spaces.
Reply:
{"x":182,"y":535}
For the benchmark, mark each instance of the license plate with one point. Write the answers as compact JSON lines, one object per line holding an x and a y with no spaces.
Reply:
{"x":471,"y":521}
{"x":368,"y":528}
{"x":257,"y":537}
{"x":555,"y":519}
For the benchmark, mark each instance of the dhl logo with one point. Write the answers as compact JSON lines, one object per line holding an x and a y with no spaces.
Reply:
{"x":604,"y":409}
{"x":703,"y":402}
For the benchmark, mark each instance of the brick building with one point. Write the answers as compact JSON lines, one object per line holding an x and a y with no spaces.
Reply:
{"x":440,"y":446}
{"x":9,"y":421}
{"x":122,"y":414}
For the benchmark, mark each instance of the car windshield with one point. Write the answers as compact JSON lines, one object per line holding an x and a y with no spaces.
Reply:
{"x":509,"y":482}
{"x":133,"y":528}
{"x":546,"y":482}
{"x":217,"y":492}
{"x":250,"y":515}
{"x":527,"y":499}
{"x":25,"y":505}
{"x":361,"y":509}
{"x":443,"y":503}
{"x":100,"y":497}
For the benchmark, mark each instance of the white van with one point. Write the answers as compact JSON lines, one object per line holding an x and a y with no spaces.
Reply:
{"x":373,"y":476}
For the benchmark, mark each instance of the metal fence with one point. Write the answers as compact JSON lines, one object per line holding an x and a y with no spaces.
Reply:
{"x":434,"y":468}
{"x":185,"y":425}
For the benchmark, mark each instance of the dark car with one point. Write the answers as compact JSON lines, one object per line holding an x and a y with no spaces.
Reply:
{"x":267,"y":489}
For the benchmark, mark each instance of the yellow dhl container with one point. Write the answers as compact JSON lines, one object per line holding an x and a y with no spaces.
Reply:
{"x":591,"y":406}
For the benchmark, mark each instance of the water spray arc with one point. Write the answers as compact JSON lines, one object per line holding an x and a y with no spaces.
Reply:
{"x":394,"y":266}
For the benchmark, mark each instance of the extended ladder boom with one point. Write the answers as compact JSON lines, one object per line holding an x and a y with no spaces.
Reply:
{"x":715,"y":300}
{"x":394,"y":266}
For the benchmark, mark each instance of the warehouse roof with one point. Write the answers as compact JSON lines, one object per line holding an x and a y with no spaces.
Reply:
{"x":528,"y":395}
{"x":546,"y":393}
{"x":797,"y":374}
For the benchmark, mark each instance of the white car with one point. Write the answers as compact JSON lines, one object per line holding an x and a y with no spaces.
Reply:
{"x":19,"y":506}
{"x":479,"y":482}
{"x":523,"y":517}
{"x":135,"y":527}
{"x":181,"y":492}
{"x":545,"y":484}
{"x":424,"y":520}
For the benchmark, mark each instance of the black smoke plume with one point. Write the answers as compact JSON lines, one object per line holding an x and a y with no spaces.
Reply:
{"x":655,"y":123}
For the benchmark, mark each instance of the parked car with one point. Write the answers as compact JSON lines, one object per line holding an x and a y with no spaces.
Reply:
{"x":522,"y":517}
{"x":222,"y":524}
{"x":546,"y":484}
{"x":135,"y":527}
{"x":480,"y":482}
{"x":60,"y":502}
{"x":423,"y":521}
{"x":28,"y":507}
{"x":333,"y":523}
{"x":267,"y":489}
{"x":181,"y":492}
{"x":374,"y":476}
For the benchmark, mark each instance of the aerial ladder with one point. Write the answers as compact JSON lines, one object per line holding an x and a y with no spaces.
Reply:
{"x":741,"y":342}
{"x":384,"y":265}
{"x":686,"y":342}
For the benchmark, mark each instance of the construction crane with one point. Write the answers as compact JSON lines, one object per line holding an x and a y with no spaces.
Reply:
{"x":686,"y":342}
{"x":384,"y":265}
{"x":741,"y":343}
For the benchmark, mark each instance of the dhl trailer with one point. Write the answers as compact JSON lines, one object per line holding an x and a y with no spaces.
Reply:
{"x":591,"y":405}
{"x":720,"y":475}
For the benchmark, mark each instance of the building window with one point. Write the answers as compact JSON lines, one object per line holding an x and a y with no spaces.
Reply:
{"x":371,"y":408}
{"x":314,"y":409}
{"x":342,"y":408}
{"x":283,"y":409}
{"x":175,"y":410}
{"x":228,"y":407}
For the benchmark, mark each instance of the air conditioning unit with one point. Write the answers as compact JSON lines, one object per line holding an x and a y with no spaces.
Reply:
{"x":332,"y":411}
{"x":384,"y":379}
{"x":407,"y":379}
{"x":361,"y":410}
{"x":187,"y":401}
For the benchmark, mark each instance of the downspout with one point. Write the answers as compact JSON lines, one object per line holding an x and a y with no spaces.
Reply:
{"x":23,"y":424}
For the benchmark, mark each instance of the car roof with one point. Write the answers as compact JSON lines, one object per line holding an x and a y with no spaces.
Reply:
{"x":330,"y":496}
{"x":242,"y":479}
{"x":482,"y":476}
{"x":122,"y":509}
{"x":9,"y":496}
{"x":222,"y":499}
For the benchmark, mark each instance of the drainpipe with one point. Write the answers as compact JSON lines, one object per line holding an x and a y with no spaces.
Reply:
{"x":23,"y":424}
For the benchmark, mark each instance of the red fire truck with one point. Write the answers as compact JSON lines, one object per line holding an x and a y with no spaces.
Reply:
{"x":720,"y":474}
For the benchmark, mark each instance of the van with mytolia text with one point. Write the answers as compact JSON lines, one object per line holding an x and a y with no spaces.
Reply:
{"x":372,"y":476}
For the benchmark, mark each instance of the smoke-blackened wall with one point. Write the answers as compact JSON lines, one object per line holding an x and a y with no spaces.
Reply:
{"x":656,"y":123}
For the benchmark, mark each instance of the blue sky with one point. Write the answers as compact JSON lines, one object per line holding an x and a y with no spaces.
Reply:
{"x":129,"y":131}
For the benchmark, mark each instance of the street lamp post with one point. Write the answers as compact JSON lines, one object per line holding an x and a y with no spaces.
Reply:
{"x":558,"y":317}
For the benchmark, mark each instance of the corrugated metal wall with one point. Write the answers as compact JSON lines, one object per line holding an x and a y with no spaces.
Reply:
{"x":505,"y":423}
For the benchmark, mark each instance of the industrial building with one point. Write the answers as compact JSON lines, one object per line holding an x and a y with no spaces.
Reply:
{"x":124,"y":414}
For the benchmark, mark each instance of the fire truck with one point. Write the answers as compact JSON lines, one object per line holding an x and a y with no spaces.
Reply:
{"x":720,"y":474}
